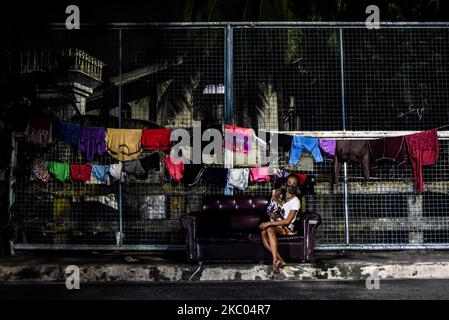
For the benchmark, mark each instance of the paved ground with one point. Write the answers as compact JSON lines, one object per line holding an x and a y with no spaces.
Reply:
{"x":276,"y":290}
{"x":162,"y":267}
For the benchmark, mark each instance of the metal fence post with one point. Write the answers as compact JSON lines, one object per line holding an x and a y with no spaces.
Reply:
{"x":228,"y":118}
{"x":228,"y":45}
{"x":120,"y":187}
{"x":343,"y":107}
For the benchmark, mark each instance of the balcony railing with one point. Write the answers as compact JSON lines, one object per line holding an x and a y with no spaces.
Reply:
{"x":69,"y":59}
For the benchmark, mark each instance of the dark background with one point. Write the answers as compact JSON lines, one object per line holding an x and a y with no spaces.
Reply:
{"x":20,"y":13}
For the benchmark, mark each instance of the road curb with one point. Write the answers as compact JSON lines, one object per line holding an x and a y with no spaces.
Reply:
{"x":227,"y":272}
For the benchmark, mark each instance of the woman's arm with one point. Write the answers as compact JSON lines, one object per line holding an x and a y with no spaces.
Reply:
{"x":283,"y":222}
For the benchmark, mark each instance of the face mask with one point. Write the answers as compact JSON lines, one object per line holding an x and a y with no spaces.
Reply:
{"x":291,"y":189}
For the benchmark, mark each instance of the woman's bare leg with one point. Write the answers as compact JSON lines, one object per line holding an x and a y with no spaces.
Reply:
{"x":274,"y":248}
{"x":266,"y":243}
{"x":265,"y":240}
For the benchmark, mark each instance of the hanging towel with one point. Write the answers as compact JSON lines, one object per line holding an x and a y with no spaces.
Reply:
{"x":156,"y":139}
{"x":260,"y":174}
{"x":248,"y":149}
{"x":238,"y":178}
{"x":391,"y":148}
{"x":61,"y":171}
{"x":92,"y":141}
{"x":124,"y":144}
{"x":67,"y":132}
{"x":242,"y":138}
{"x":328,"y":146}
{"x":39,"y":131}
{"x":176,"y":171}
{"x":299,"y":143}
{"x":423,"y":149}
{"x":80,"y":172}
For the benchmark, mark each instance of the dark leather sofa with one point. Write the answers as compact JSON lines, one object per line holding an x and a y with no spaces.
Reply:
{"x":227,"y":229}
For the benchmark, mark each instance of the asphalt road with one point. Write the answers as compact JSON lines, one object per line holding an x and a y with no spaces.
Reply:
{"x":264,"y":290}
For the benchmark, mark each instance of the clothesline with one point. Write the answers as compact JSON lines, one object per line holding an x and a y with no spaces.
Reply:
{"x":358,"y":135}
{"x":128,"y":144}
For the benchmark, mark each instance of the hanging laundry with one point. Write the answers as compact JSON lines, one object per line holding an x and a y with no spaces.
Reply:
{"x":124,"y":144}
{"x":247,"y":150}
{"x":242,"y":137}
{"x":39,"y":169}
{"x":423,"y":149}
{"x":260,"y":174}
{"x":327,"y":146}
{"x":156,"y":139}
{"x":351,"y":150}
{"x":39,"y":131}
{"x":212,"y":159}
{"x":101,"y":172}
{"x":151,"y":162}
{"x":192,"y":174}
{"x":176,"y":171}
{"x":135,"y":168}
{"x":238,"y":178}
{"x":67,"y":132}
{"x":116,"y":171}
{"x":216,"y":177}
{"x":299,"y":143}
{"x":301,"y":176}
{"x":279,"y":173}
{"x":92,"y":141}
{"x":80,"y":172}
{"x":307,"y":186}
{"x":391,"y":148}
{"x":61,"y":171}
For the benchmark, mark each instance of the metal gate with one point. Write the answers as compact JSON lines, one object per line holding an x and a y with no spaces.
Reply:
{"x":336,"y":80}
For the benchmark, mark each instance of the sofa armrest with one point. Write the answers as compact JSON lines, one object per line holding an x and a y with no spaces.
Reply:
{"x":310,"y":221}
{"x":190,"y":223}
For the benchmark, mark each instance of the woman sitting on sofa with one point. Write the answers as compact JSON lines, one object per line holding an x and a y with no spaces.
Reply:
{"x":284,"y":224}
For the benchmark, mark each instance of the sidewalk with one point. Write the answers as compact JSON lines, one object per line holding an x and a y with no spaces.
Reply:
{"x":146,"y":267}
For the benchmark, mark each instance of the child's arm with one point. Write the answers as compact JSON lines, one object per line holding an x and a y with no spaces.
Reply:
{"x":277,"y":196}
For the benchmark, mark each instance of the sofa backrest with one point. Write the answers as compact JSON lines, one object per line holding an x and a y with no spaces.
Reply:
{"x":224,"y":214}
{"x":235,"y":204}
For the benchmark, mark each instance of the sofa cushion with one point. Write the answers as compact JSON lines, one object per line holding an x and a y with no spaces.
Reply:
{"x":248,"y":237}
